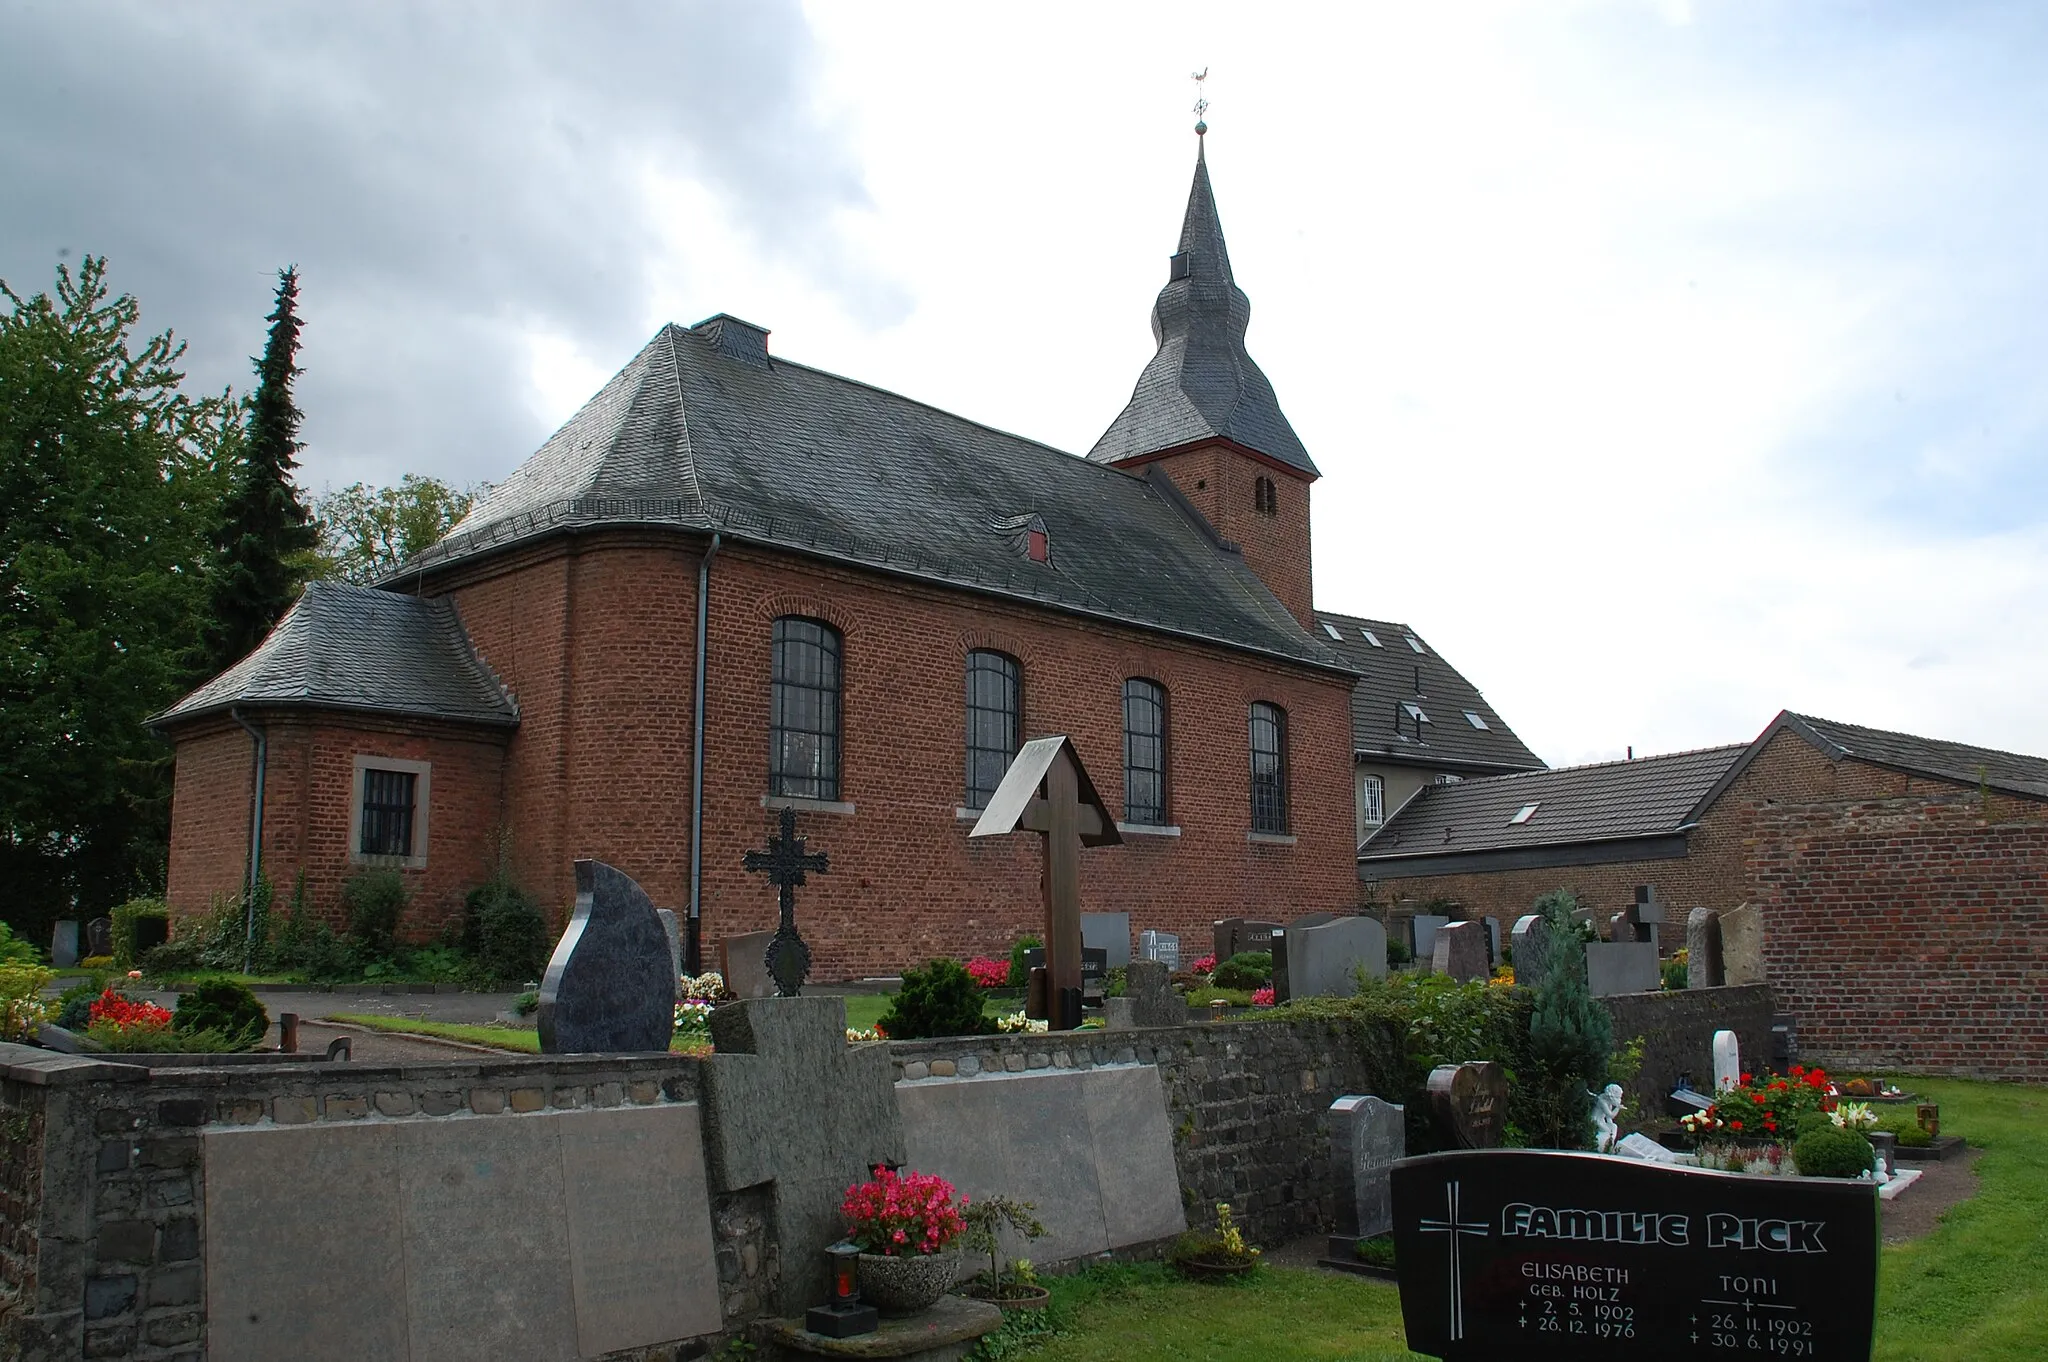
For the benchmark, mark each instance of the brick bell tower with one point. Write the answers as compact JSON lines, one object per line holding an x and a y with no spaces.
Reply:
{"x":1207,"y":417}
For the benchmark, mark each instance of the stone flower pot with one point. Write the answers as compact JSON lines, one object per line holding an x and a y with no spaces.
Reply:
{"x":906,"y":1285}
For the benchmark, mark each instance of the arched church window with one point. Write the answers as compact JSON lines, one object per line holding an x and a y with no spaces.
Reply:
{"x":803,"y":711}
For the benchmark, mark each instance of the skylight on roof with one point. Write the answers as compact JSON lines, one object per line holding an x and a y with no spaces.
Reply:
{"x":1331,"y":630}
{"x":1475,"y":720}
{"x":1415,"y":712}
{"x":1370,"y":637}
{"x":1416,"y":644}
{"x":1523,"y":815}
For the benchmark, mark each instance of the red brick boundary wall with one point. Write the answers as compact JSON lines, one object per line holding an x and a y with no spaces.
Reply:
{"x":1908,"y":933}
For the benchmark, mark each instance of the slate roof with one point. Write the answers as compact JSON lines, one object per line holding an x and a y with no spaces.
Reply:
{"x":2009,"y":772}
{"x":358,"y":648}
{"x":1393,"y":676}
{"x":1202,"y":383}
{"x":1610,"y":801}
{"x":703,"y":430}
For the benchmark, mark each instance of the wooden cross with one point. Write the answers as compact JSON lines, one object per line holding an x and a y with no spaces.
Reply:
{"x":1067,"y":813}
{"x":788,"y":958}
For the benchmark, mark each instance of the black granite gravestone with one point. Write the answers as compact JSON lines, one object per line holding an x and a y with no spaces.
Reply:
{"x":1094,"y":967}
{"x":1537,"y":1255}
{"x":99,"y":936}
{"x":1471,"y":1102}
{"x":608,"y":989}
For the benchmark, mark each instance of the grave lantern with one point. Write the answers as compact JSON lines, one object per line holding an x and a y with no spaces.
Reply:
{"x":842,"y":1315}
{"x":1930,"y":1118}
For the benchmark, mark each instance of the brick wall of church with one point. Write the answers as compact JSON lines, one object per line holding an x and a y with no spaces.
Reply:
{"x":597,"y":646}
{"x":1220,"y":483}
{"x":309,"y":782}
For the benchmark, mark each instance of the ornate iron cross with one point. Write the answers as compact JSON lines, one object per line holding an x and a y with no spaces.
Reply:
{"x":786,"y":861}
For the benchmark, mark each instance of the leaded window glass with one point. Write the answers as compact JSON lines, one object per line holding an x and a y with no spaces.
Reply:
{"x":1269,"y":768}
{"x":803,"y":718}
{"x":994,"y":702}
{"x":1144,"y":752}
{"x":387,"y":812}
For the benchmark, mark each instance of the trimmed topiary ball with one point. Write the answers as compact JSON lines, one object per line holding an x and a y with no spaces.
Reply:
{"x":1247,"y":970}
{"x":938,"y":1000}
{"x":225,"y":1006}
{"x":1831,"y":1152}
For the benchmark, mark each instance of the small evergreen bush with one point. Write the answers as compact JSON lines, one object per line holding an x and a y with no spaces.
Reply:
{"x":1832,"y":1152}
{"x":1020,"y":973}
{"x":1246,"y":970}
{"x":1398,"y":953}
{"x":74,"y":1004}
{"x":505,"y":932}
{"x":130,"y":930}
{"x":941,"y":999}
{"x":225,"y":1007}
{"x":375,"y":900}
{"x":1570,"y":1035}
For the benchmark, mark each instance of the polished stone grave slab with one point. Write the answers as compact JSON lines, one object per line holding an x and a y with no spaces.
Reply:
{"x":553,"y":1235}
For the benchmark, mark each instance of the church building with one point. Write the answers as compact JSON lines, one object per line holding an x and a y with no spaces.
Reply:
{"x":734,"y":584}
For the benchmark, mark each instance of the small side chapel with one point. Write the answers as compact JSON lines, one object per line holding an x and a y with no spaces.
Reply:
{"x":733,"y":584}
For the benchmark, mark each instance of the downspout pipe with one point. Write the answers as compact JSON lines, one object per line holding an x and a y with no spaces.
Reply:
{"x":262,"y":758}
{"x":694,"y":949}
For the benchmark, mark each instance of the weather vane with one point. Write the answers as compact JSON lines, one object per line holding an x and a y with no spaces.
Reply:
{"x":1201,"y":101}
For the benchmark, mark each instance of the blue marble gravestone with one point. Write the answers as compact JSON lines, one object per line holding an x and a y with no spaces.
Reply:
{"x":608,"y":988}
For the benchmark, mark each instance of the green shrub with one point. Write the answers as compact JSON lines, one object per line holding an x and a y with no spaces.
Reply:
{"x":173,"y":957}
{"x":1398,"y":952}
{"x":1375,"y":1252}
{"x":128,"y":920}
{"x":505,"y":932}
{"x":225,"y":1008}
{"x":1677,"y":973}
{"x":1570,"y":1036}
{"x":1905,"y":1125}
{"x":1116,"y":981}
{"x":1810,"y":1121}
{"x":1202,"y":997}
{"x":1020,"y":973}
{"x":1247,"y":970}
{"x":15,"y":951}
{"x":374,"y":900}
{"x":74,"y":1003}
{"x":161,"y":1040}
{"x":1832,"y":1152}
{"x":939,"y":1000}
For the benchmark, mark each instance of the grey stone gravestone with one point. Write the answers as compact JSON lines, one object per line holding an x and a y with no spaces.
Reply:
{"x":674,"y":931}
{"x":743,"y":960}
{"x":1742,"y":946}
{"x":64,"y":944}
{"x":1649,"y":908}
{"x":1366,"y":1136}
{"x":1422,"y":929}
{"x":1703,"y":949}
{"x":1311,"y":920}
{"x":1532,"y":949}
{"x":1622,"y":967}
{"x":1471,"y":1102}
{"x":99,"y":936}
{"x":1108,"y":932}
{"x":608,"y":989}
{"x":1629,"y":925}
{"x":788,"y":1101}
{"x":1323,"y":961}
{"x":1492,"y":940}
{"x":1460,"y":951}
{"x":1149,"y":990}
{"x":1161,"y":946}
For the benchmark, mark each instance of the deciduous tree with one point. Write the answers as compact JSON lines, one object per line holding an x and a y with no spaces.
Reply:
{"x":367,"y":531}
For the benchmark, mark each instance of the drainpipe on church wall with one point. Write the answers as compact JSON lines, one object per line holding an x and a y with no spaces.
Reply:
{"x":694,"y":950}
{"x":262,"y":755}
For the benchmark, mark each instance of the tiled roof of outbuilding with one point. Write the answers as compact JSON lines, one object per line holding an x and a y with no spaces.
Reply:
{"x":1392,"y":676}
{"x":358,"y":648}
{"x":2008,"y":772}
{"x":1202,"y":383}
{"x":704,"y":431}
{"x":1610,"y":801}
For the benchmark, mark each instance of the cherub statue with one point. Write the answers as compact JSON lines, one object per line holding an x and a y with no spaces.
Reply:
{"x":1606,"y":1117}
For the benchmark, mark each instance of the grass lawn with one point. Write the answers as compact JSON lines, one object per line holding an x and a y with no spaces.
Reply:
{"x":1976,"y":1290}
{"x":523,"y":1039}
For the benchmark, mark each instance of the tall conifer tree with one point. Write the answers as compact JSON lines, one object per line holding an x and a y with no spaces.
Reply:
{"x":267,"y":536}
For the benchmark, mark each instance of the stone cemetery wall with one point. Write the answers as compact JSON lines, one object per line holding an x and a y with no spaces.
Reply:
{"x":1910,"y":933}
{"x":1244,"y":1104}
{"x":165,"y":1207}
{"x":1678,"y":1026}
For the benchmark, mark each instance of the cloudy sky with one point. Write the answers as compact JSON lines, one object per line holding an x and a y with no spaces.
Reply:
{"x":1668,"y":363}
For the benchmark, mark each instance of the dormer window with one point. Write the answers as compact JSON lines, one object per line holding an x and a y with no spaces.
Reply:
{"x":1027,"y":536}
{"x":1265,"y":496}
{"x":1034,"y":546}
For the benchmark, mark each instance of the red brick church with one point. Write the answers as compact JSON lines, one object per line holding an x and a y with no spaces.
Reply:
{"x":733,"y":583}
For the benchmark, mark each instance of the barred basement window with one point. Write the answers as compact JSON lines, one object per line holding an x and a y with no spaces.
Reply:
{"x":387,"y":812}
{"x":1144,"y":752}
{"x":1269,"y":768}
{"x":994,"y":700}
{"x":803,"y":711}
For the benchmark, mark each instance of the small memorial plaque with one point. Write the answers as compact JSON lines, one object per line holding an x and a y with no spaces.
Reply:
{"x":1538,"y":1255}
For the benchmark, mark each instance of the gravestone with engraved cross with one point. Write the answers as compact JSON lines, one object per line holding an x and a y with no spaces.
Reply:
{"x":786,"y":861}
{"x":788,"y":1101}
{"x":1047,"y":791}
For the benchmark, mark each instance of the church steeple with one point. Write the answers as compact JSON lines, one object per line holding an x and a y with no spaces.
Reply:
{"x":1202,"y":385}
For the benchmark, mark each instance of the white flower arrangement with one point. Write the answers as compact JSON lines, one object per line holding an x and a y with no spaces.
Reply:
{"x":1017,"y":1023}
{"x":1854,"y":1116}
